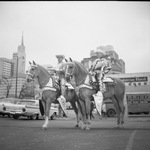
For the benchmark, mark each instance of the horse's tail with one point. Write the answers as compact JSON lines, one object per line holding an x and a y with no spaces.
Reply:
{"x":126,"y":108}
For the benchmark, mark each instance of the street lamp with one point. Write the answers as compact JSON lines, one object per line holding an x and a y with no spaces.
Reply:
{"x":17,"y":74}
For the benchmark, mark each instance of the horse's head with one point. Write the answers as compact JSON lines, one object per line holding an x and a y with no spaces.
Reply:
{"x":70,"y":69}
{"x":32,"y":72}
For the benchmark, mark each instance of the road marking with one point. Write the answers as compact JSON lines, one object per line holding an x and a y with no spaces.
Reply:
{"x":131,"y":139}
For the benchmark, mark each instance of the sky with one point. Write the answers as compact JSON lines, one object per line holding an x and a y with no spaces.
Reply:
{"x":74,"y":28}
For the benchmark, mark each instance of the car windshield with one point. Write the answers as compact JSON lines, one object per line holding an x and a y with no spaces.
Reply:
{"x":27,"y":103}
{"x":9,"y":100}
{"x":6,"y":101}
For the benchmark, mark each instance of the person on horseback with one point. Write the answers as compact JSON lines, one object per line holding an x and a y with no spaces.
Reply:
{"x":100,"y":67}
{"x":59,"y":70}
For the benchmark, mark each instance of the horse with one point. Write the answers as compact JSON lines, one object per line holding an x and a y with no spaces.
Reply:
{"x":115,"y":92}
{"x":50,"y":91}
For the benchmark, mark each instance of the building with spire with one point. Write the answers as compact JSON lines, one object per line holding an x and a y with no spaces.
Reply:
{"x":8,"y":70}
{"x":21,"y":56}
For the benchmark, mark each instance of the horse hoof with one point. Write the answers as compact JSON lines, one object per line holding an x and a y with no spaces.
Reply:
{"x":117,"y":127}
{"x":76,"y":126}
{"x":44,"y":128}
{"x":82,"y":128}
{"x":87,"y":128}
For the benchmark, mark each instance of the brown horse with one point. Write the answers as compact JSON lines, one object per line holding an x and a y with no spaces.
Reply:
{"x":116,"y":92}
{"x":51,"y":91}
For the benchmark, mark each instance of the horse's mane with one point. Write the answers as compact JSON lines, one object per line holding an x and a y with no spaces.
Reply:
{"x":44,"y":76}
{"x":81,"y":73}
{"x":43,"y":68}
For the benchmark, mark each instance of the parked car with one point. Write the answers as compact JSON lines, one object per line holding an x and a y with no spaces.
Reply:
{"x":6,"y":102}
{"x":27,"y":108}
{"x":110,"y":109}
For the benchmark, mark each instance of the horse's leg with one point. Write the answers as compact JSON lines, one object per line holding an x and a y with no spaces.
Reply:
{"x":83,"y":109}
{"x":115,"y":102}
{"x":88,"y":112}
{"x":76,"y":110}
{"x":47,"y":110}
{"x":81,"y":113}
{"x":123,"y":108}
{"x":122,"y":113}
{"x":44,"y":105}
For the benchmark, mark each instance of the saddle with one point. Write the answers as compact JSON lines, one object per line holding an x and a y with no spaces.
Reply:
{"x":107,"y":81}
{"x":56,"y":83}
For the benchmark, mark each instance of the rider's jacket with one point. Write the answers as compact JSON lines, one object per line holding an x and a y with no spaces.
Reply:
{"x":100,"y":65}
{"x":59,"y":67}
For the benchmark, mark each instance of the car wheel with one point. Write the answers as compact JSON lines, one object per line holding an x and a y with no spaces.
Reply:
{"x":11,"y":116}
{"x":53,"y":116}
{"x":15,"y":116}
{"x":146,"y":113}
{"x":111,"y":113}
{"x":33,"y":117}
{"x":37,"y":117}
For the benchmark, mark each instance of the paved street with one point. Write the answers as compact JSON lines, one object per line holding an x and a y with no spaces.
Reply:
{"x":23,"y":134}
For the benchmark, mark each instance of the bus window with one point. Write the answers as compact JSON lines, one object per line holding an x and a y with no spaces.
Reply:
{"x":138,"y":103}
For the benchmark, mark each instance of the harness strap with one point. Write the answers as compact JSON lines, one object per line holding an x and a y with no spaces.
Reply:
{"x":85,"y":85}
{"x":49,"y":88}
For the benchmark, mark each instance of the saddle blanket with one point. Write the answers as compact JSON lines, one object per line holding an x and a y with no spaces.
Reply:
{"x":84,"y":85}
{"x":50,"y":86}
{"x":69,"y":86}
{"x":107,"y":80}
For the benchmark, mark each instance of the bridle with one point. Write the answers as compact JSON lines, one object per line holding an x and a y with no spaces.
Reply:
{"x":34,"y":69}
{"x":72,"y":66}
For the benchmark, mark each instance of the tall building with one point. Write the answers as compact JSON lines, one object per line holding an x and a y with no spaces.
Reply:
{"x":118,"y":65}
{"x":6,"y":67}
{"x":21,"y":56}
{"x":8,"y":71}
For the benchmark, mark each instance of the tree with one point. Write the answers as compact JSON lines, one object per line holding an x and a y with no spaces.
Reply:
{"x":8,"y":85}
{"x":27,"y":90}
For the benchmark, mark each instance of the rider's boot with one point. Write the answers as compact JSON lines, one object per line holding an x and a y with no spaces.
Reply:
{"x":93,"y":78}
{"x":98,"y":98}
{"x":104,"y":87}
{"x":62,"y":102}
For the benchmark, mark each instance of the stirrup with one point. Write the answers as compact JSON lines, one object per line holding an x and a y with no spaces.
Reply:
{"x":61,"y":101}
{"x":98,"y":99}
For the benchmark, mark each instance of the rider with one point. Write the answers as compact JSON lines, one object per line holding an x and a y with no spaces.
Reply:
{"x":100,"y":67}
{"x":58,"y":69}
